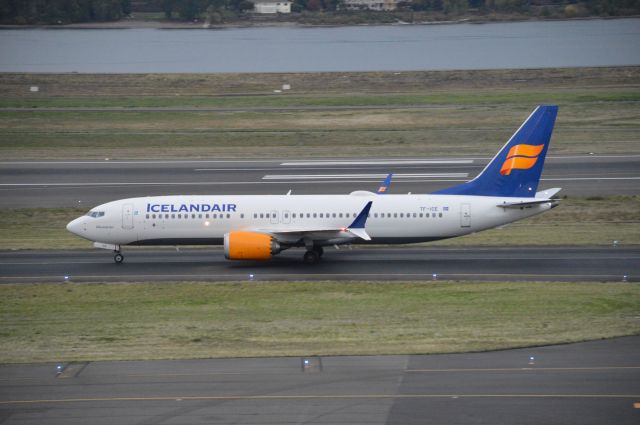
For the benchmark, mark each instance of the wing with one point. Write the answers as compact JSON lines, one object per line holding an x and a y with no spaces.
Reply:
{"x":291,"y":235}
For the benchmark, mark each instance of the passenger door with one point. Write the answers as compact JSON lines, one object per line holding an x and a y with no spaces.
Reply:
{"x":127,"y":216}
{"x":465,"y":215}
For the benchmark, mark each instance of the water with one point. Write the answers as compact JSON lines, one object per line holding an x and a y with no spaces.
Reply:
{"x":366,"y":48}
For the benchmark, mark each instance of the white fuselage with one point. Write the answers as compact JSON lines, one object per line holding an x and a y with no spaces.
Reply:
{"x":199,"y":219}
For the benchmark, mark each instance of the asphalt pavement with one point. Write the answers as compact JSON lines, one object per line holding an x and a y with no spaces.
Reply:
{"x":585,"y":383}
{"x":613,"y":263}
{"x":88,"y":183}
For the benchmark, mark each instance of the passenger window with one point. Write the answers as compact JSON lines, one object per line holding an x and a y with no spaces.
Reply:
{"x":293,"y":215}
{"x":166,"y":216}
{"x":433,"y":215}
{"x":261,"y":215}
{"x":414,"y":215}
{"x":340,"y":215}
{"x":173,"y":216}
{"x":395,"y":215}
{"x":242,"y":215}
{"x":421,"y":215}
{"x":333,"y":215}
{"x":193,"y":216}
{"x":228,"y":215}
{"x":147,"y":216}
{"x":320,"y":215}
{"x":315,"y":215}
{"x":255,"y":215}
{"x":375,"y":215}
{"x":440,"y":215}
{"x":154,"y":216}
{"x":179,"y":215}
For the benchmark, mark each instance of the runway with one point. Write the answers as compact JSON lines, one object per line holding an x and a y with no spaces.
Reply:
{"x":585,"y":383}
{"x":614,"y":264}
{"x":89,"y":183}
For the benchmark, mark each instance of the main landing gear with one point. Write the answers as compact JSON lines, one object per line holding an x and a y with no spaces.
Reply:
{"x":118,"y":257}
{"x":313,"y":255}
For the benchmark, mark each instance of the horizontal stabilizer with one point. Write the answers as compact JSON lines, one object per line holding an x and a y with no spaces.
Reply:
{"x":548,"y":193}
{"x":527,"y":203}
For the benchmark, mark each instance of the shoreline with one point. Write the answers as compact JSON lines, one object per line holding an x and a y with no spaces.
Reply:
{"x":173,"y":25}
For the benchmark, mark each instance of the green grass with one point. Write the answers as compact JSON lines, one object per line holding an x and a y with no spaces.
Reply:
{"x":577,"y":221}
{"x":479,"y":129}
{"x":283,"y":101}
{"x":475,"y":111}
{"x":67,"y":322}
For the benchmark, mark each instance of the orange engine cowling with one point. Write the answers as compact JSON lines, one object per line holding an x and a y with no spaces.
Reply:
{"x":249,"y":246}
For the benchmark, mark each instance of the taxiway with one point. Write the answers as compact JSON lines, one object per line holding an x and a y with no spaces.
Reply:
{"x":360,"y":263}
{"x":586,"y":383}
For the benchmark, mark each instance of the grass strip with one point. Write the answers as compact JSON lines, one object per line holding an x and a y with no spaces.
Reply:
{"x":73,"y":322}
{"x":475,"y":111}
{"x":577,"y":221}
{"x":355,"y":100}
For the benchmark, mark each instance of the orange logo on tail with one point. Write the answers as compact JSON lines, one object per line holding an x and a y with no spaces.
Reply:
{"x":521,"y":157}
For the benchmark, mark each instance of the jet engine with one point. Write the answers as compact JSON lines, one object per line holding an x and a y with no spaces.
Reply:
{"x":250,"y":246}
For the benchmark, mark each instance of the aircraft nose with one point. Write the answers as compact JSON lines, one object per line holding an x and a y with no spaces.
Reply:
{"x":75,"y":226}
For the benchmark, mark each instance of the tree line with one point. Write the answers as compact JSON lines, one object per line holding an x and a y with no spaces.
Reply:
{"x":23,"y":12}
{"x":191,"y":9}
{"x":69,"y":11}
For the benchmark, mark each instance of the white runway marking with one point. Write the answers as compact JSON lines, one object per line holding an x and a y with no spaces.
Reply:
{"x":360,"y":176}
{"x":550,"y":179}
{"x":382,"y":162}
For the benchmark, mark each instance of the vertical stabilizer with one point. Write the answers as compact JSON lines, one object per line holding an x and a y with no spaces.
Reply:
{"x":515,"y":171}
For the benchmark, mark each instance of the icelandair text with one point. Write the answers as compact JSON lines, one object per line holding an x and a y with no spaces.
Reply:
{"x":173,"y":208}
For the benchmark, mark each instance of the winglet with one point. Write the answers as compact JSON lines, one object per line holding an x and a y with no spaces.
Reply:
{"x":385,"y":185}
{"x":357,"y":227}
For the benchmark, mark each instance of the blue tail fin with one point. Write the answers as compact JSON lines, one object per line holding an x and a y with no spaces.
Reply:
{"x":515,"y":170}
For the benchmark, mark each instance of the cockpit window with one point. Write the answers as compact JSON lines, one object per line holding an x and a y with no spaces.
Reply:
{"x":95,"y":214}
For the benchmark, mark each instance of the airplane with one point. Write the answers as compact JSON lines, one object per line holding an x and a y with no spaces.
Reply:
{"x":257,"y":227}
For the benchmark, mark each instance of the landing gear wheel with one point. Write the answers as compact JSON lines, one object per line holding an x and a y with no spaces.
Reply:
{"x":311,"y":257}
{"x":318,"y":250}
{"x":118,"y":258}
